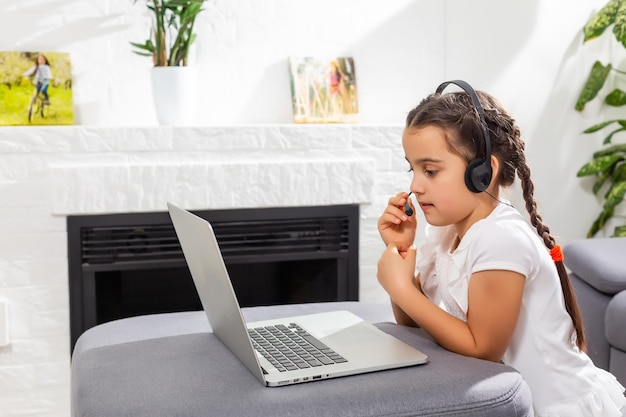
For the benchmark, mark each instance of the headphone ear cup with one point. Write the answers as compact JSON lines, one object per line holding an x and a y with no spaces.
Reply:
{"x":478,"y":176}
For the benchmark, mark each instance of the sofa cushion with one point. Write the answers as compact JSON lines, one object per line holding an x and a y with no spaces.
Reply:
{"x":171,"y":364}
{"x":601,"y":262}
{"x":614,"y":321}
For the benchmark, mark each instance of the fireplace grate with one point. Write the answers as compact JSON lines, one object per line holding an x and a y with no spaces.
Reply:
{"x":112,"y":244}
{"x":127,"y":264}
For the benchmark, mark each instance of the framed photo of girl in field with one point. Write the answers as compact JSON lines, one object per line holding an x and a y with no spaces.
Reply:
{"x":36,"y":88}
{"x":323,"y":90}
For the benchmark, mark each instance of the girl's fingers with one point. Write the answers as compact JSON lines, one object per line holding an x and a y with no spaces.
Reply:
{"x":393,"y":215}
{"x":399,"y":199}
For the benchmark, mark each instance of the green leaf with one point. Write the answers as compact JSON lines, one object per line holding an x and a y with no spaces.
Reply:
{"x":148,"y":46}
{"x":616,"y":98}
{"x":607,"y":139}
{"x":599,"y":223}
{"x":619,"y":173}
{"x":601,"y":180}
{"x":601,"y":20}
{"x":142,"y":53}
{"x":602,"y":125}
{"x":615,"y":149}
{"x":598,"y":165}
{"x":619,"y":231}
{"x":616,"y":175}
{"x":615,"y":195}
{"x":595,"y":82}
{"x":619,"y":26}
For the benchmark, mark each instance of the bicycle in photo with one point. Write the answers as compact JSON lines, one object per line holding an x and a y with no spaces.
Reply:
{"x":37,"y":106}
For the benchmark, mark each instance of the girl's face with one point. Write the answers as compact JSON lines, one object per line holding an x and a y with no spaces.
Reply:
{"x":439,"y":180}
{"x":41,"y":60}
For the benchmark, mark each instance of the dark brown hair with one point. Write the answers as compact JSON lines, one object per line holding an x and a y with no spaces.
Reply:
{"x":457,"y":116}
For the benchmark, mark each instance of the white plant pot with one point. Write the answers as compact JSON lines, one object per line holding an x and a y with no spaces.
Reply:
{"x":175,"y":94}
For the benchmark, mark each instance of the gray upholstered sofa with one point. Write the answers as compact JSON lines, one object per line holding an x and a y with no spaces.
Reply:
{"x":172,"y":365}
{"x":598,"y":273}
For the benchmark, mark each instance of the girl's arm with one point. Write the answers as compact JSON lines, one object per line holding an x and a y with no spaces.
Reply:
{"x":401,"y":317}
{"x":30,"y":71}
{"x":494,"y":302}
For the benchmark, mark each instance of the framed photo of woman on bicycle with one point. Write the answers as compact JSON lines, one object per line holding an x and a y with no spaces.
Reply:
{"x":36,"y":88}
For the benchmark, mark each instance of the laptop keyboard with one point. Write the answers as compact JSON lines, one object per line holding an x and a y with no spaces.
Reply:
{"x":290,"y":347}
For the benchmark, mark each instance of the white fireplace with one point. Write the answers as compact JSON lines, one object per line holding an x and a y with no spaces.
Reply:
{"x":48,"y":173}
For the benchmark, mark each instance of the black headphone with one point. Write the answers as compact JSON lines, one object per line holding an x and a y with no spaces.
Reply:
{"x":478,"y":173}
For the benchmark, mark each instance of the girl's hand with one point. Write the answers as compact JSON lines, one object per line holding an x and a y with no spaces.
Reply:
{"x":394,"y":225}
{"x":396,"y":269}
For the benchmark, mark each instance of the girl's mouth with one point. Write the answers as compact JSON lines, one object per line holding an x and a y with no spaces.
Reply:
{"x":426,"y":206}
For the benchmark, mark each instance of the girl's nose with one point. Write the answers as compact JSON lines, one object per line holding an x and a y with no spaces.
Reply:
{"x":417,"y":185}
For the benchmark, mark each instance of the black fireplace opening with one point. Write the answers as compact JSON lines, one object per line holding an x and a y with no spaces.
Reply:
{"x":125,"y":265}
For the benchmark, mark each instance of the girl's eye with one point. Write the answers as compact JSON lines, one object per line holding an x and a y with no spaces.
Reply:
{"x":410,"y":169}
{"x":430,"y":172}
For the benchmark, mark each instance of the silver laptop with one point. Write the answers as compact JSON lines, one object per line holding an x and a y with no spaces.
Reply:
{"x":310,"y":347}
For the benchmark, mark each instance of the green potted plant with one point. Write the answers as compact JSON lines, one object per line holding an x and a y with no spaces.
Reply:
{"x":174,"y":83}
{"x":607,"y":164}
{"x":172,"y":31}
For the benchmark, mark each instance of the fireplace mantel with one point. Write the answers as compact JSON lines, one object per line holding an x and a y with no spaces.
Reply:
{"x":110,"y":170}
{"x":262,"y":182}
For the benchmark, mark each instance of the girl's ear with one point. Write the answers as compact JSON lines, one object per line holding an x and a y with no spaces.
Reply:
{"x":495,"y":168}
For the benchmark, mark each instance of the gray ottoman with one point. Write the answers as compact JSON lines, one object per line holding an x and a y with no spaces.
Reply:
{"x":172,"y":365}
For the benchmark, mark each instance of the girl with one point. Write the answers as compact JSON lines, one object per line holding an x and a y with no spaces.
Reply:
{"x":487,"y":284}
{"x":42,"y":75}
{"x":338,"y":89}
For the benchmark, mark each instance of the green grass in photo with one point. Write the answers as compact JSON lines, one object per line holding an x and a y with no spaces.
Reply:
{"x":15,"y":101}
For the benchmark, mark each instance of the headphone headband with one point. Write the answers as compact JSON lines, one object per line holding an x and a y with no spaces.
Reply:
{"x":478,"y":173}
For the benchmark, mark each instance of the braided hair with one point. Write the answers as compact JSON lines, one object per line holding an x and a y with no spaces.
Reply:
{"x":456,"y":115}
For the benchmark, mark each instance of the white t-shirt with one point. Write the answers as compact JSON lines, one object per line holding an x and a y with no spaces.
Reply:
{"x":42,"y":72}
{"x":563,"y":380}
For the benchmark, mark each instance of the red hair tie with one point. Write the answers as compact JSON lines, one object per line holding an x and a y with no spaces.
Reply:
{"x":556,"y":253}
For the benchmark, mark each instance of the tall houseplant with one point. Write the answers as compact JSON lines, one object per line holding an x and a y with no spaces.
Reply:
{"x":609,"y":163}
{"x":172,"y":31}
{"x":174,"y":83}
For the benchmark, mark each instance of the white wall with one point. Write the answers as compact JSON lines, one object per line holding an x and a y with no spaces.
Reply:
{"x":528,"y":53}
{"x":242,"y":49}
